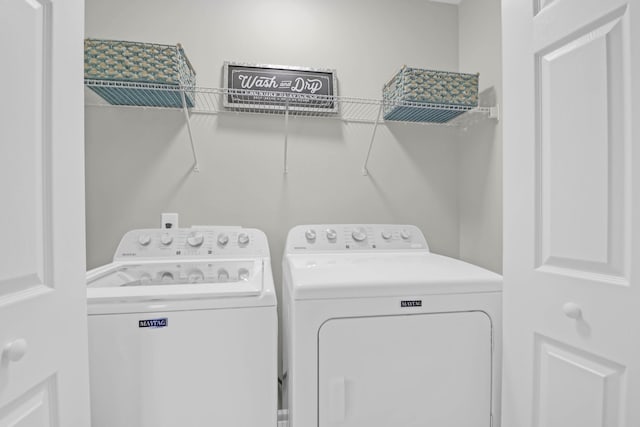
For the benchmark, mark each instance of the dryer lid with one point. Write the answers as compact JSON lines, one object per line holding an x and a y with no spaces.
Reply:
{"x":174,"y":280}
{"x":320,"y":276}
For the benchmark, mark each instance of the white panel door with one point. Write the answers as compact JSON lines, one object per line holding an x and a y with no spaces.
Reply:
{"x":572,"y":213}
{"x":43,"y":327}
{"x":405,"y":371}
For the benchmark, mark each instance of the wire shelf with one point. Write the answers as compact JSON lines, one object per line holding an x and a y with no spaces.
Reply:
{"x":201,"y":100}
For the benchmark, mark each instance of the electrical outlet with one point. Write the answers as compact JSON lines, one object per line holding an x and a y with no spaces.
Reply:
{"x":169,"y":220}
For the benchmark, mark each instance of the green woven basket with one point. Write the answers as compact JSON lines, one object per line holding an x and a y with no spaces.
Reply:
{"x":143,"y":74}
{"x":420,"y":95}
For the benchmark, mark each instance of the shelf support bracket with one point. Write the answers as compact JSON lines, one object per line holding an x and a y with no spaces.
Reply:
{"x":286,"y":136}
{"x":494,"y":112}
{"x":365,"y":171}
{"x":196,"y":168}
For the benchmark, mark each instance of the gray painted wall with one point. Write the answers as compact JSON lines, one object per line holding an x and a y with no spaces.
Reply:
{"x":138,"y":161}
{"x":480,"y":156}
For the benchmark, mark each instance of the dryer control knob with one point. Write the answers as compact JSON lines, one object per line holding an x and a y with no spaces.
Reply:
{"x":166,"y":239}
{"x":332,"y":234}
{"x":310,"y":235}
{"x":243,"y":239}
{"x":223,"y":239}
{"x":144,"y":239}
{"x":386,"y":235}
{"x":195,"y":239}
{"x":359,"y":234}
{"x":405,"y":234}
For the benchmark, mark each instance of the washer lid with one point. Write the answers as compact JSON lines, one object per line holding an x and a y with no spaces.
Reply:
{"x":319,"y":276}
{"x":174,"y":280}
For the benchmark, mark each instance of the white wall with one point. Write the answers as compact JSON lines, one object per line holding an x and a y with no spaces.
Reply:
{"x":138,"y":161}
{"x":480,"y":156}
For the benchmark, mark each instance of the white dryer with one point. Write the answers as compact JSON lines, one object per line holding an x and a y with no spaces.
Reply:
{"x":183,"y":331}
{"x":380,"y":332}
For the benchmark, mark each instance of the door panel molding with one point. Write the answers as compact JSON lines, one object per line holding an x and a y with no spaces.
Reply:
{"x":540,"y":5}
{"x":574,"y":387}
{"x":25,"y":262}
{"x":582,"y":142}
{"x":34,"y":408}
{"x":577,"y":15}
{"x":47,"y":140}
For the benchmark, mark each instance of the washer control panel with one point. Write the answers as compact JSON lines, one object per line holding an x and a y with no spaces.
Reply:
{"x":196,"y":242}
{"x":176,"y":273}
{"x":355,"y":237}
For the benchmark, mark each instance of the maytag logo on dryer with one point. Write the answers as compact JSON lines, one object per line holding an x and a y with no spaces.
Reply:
{"x":129,"y":254}
{"x":153,"y":323}
{"x":411,"y":303}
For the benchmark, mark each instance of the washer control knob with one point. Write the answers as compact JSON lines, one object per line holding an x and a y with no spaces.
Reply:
{"x":195,"y":239}
{"x":332,"y":235}
{"x":195,"y":276}
{"x":166,"y":239}
{"x":243,"y":274}
{"x":223,"y":239}
{"x":243,"y":239}
{"x":359,"y":234}
{"x":386,"y":235}
{"x":405,"y":234}
{"x":223,"y":275}
{"x":310,"y":234}
{"x":144,"y":239}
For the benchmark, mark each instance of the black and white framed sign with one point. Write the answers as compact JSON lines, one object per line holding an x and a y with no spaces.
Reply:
{"x":274,"y":87}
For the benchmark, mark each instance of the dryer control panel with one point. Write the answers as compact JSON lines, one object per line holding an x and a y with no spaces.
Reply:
{"x":195,"y":242}
{"x":355,"y":237}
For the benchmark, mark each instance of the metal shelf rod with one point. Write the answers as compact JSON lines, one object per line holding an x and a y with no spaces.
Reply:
{"x":196,"y":168}
{"x":286,"y":137}
{"x":365,"y":171}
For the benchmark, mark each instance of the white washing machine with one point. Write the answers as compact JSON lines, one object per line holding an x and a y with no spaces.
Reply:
{"x":380,"y":332}
{"x":183,"y":331}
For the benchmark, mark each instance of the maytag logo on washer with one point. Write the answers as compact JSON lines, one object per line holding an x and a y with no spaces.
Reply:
{"x":153,"y":323}
{"x":411,"y":303}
